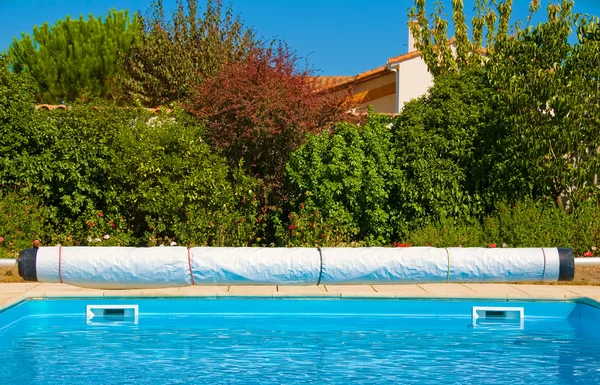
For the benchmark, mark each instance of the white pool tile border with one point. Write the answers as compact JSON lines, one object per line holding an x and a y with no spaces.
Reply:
{"x":11,"y":293}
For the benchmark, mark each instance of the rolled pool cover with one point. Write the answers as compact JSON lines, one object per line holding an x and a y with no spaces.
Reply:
{"x":155,"y":267}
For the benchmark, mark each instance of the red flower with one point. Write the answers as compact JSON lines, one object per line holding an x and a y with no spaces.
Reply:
{"x":36,"y":243}
{"x":291,"y":227}
{"x":588,"y":254}
{"x":100,"y":214}
{"x":492,"y":245}
{"x":302,"y":206}
{"x":427,"y":244}
{"x":91,"y":224}
{"x":395,"y":243}
{"x":111,"y":224}
{"x":150,"y":228}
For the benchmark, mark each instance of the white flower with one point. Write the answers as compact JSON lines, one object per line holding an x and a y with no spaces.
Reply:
{"x":504,"y":245}
{"x":90,"y":239}
{"x":173,"y":243}
{"x":594,"y":248}
{"x":106,"y":236}
{"x":389,"y":125}
{"x":97,"y":240}
{"x":161,"y":245}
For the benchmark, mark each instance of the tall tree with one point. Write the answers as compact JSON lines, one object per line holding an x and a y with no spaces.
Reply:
{"x":176,"y":54}
{"x":550,"y":93}
{"x":75,"y":58}
{"x":431,"y":32}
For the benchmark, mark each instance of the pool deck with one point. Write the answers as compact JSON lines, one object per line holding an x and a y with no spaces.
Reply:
{"x":11,"y":293}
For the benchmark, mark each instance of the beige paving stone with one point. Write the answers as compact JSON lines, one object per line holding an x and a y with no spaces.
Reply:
{"x":259,"y":291}
{"x":547,"y":292}
{"x":6,"y":301}
{"x":496,"y":290}
{"x":299,"y":291}
{"x":449,"y":290}
{"x":55,"y":290}
{"x":11,"y":288}
{"x":202,"y":291}
{"x":401,"y":291}
{"x":583,"y":290}
{"x":351,"y":291}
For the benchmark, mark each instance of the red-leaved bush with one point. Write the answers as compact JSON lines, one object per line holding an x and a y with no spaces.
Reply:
{"x":261,"y":109}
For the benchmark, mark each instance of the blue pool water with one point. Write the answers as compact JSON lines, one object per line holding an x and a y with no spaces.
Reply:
{"x":301,"y":341}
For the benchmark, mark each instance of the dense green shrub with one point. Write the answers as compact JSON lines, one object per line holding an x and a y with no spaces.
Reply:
{"x":170,"y":187}
{"x":447,"y":142}
{"x":118,"y":176}
{"x":347,"y":176}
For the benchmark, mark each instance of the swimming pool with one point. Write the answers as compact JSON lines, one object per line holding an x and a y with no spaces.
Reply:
{"x":298,"y":341}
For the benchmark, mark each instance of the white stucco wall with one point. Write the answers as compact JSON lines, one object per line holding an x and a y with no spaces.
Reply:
{"x":415,"y":80}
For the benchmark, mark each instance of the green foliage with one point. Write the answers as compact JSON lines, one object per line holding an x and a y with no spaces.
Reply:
{"x":431,"y":33}
{"x":549,"y":93}
{"x":117,"y":176}
{"x":170,"y":187}
{"x":175,"y":55}
{"x":22,"y":221}
{"x":75,"y":59}
{"x":308,"y":228}
{"x":446,"y":146}
{"x":449,"y":232}
{"x":347,"y":176}
{"x":522,"y":224}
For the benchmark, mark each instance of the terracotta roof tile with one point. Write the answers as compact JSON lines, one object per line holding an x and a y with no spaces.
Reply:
{"x":332,"y":83}
{"x":325,"y":82}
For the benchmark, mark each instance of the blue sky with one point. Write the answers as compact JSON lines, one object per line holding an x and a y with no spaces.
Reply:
{"x":339,"y":37}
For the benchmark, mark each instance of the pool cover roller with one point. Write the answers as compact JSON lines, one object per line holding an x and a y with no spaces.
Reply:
{"x":131,"y":268}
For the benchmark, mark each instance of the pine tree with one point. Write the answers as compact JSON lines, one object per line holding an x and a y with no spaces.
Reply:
{"x":75,"y":58}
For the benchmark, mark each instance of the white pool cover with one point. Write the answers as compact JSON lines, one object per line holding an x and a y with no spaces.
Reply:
{"x":128,"y":267}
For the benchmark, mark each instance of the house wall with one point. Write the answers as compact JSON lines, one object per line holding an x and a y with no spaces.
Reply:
{"x":415,"y":80}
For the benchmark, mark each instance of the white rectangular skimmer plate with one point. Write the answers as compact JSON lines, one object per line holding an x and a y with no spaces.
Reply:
{"x":112,"y":314}
{"x":499,"y":315}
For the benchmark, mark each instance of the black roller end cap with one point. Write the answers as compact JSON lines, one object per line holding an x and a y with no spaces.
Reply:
{"x":567,"y":264}
{"x":27,"y":264}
